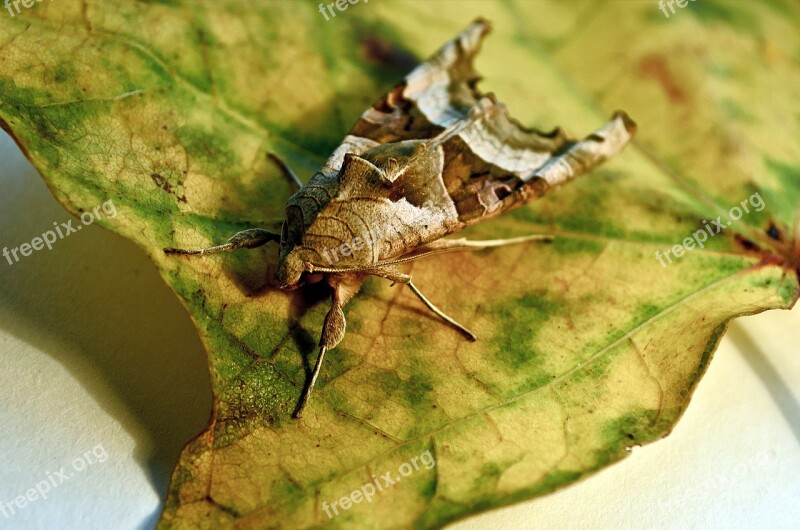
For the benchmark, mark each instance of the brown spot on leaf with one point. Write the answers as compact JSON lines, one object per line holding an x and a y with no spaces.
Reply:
{"x":656,"y":67}
{"x":377,"y":50}
{"x":746,"y":244}
{"x":774,"y":232}
{"x":163,"y":183}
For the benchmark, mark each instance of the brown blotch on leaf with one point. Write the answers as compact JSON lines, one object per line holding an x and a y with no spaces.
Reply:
{"x":377,"y":50}
{"x":656,"y":67}
{"x":774,"y":232}
{"x":746,"y":244}
{"x":163,"y":183}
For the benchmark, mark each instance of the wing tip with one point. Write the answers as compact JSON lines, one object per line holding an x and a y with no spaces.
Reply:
{"x":470,"y":38}
{"x":482,"y":25}
{"x":626,"y":120}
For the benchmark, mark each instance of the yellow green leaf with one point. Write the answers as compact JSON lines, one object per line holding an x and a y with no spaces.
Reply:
{"x":587,"y":346}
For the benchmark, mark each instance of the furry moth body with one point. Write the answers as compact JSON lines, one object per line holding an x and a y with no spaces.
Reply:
{"x":429,"y":159}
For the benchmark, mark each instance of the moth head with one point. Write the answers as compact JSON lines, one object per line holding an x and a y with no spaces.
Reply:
{"x":296,"y":269}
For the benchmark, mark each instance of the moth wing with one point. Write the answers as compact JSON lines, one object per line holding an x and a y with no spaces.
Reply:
{"x":489,"y":166}
{"x":494,"y":163}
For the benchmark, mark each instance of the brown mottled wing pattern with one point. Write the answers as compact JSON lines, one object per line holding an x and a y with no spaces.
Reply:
{"x":488,"y":166}
{"x":494,"y":164}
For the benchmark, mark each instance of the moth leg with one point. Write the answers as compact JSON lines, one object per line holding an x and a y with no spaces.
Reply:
{"x":396,"y":276}
{"x":287,"y":171}
{"x":467,"y":333}
{"x":333,"y":330}
{"x":464,"y":243}
{"x":452,"y":245}
{"x":250,"y":238}
{"x":391,"y":273}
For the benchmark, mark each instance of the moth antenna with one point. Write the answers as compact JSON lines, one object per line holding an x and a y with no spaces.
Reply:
{"x":381,"y":264}
{"x":452,"y":246}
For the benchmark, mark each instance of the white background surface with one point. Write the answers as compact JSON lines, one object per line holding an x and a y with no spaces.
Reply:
{"x":96,"y":351}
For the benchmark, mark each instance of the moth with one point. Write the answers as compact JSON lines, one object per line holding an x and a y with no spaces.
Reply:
{"x":429,"y":159}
